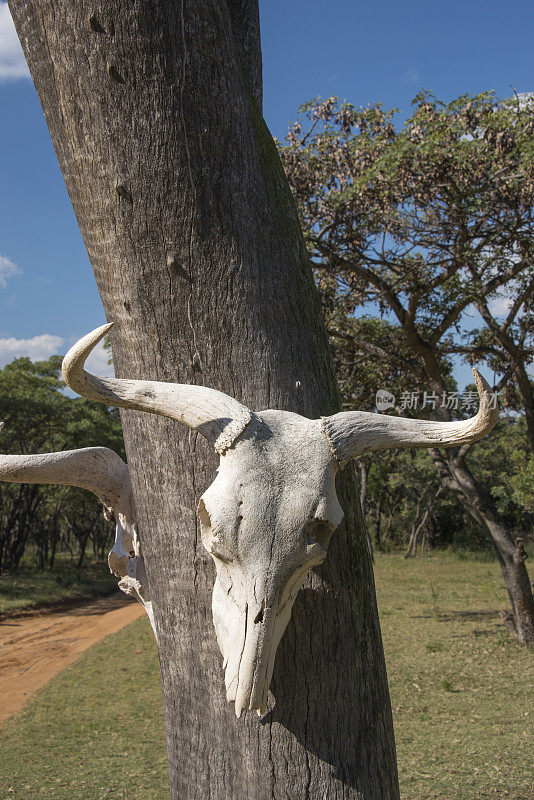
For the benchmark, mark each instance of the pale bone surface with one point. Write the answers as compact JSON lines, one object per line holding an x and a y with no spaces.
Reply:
{"x":269,"y":514}
{"x":126,"y":561}
{"x":102,"y":472}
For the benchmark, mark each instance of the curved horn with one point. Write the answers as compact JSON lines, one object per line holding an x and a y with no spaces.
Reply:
{"x":214,"y":414}
{"x":97,"y":469}
{"x":352,"y":433}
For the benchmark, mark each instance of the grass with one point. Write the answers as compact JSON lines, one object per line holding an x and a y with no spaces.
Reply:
{"x":459,"y":691}
{"x":30,"y":587}
{"x":460,"y":687}
{"x":95,"y":731}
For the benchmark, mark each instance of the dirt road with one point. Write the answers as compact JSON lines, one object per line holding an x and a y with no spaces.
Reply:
{"x":35,"y":648}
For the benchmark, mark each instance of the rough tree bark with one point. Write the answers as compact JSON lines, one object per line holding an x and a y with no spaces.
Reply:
{"x":154,"y":112}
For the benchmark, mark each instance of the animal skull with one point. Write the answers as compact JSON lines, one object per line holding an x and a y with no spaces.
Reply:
{"x":104,"y":473}
{"x":269,"y":514}
{"x":126,"y":561}
{"x":266,"y":521}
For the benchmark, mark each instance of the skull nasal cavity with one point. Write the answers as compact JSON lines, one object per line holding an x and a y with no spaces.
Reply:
{"x":259,"y":615}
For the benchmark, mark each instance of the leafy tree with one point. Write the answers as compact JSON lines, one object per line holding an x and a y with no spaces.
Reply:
{"x":403,"y":485}
{"x":39,"y":417}
{"x":427,"y":223}
{"x":504,"y":463}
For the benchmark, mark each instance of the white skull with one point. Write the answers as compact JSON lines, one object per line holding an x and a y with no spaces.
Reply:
{"x":272,"y":508}
{"x":103,"y":472}
{"x":266,"y":520}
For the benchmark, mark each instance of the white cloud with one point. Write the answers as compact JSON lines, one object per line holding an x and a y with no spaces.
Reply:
{"x":12,"y":62}
{"x":500,"y":305}
{"x":38,"y":348}
{"x":7,"y":269}
{"x":97,"y":363}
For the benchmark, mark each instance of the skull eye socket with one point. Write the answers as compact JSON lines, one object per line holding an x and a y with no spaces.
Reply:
{"x":319,"y":532}
{"x":210,"y":539}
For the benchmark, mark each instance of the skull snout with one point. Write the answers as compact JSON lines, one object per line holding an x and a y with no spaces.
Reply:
{"x":261,"y":639}
{"x":262,"y":552}
{"x":265,"y":620}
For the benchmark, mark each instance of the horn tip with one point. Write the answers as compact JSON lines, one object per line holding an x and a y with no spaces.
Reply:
{"x":481,"y":383}
{"x":485,"y":393}
{"x":76,"y":356}
{"x":101,"y":331}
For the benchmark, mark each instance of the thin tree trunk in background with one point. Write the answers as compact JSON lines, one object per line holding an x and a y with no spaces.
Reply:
{"x":527,"y":395}
{"x":457,"y":477}
{"x":53,"y":553}
{"x":378,"y":524}
{"x":82,"y":543}
{"x":417,"y":527}
{"x":364,"y":471}
{"x":154,"y":112}
{"x":412,"y":542}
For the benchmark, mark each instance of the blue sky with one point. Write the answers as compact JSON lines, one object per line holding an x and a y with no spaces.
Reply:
{"x":365,"y":52}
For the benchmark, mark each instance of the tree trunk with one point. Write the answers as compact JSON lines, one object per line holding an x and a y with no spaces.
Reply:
{"x":388,"y":526}
{"x":413,"y":532}
{"x":82,"y":543}
{"x":417,"y":527}
{"x":364,"y":471}
{"x":527,"y":395}
{"x":153,"y":110}
{"x":378,"y":523}
{"x":456,"y":476}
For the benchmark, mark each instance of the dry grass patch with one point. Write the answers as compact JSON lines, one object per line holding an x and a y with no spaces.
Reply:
{"x":461,"y":689}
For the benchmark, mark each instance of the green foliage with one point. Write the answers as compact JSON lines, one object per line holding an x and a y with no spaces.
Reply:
{"x":402,"y":484}
{"x":429,"y":226}
{"x":504,"y":462}
{"x":425,"y":222}
{"x":39,"y":417}
{"x":371,"y":353}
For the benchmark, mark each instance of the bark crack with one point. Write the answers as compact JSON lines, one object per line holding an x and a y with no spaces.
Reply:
{"x":195,"y":358}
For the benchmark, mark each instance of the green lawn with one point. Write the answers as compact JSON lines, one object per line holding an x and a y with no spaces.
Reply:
{"x":461,"y":690}
{"x":31,"y":587}
{"x":460,"y":694}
